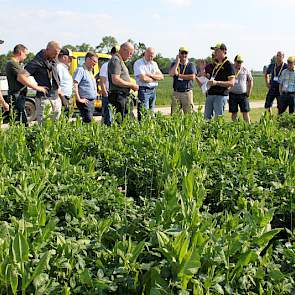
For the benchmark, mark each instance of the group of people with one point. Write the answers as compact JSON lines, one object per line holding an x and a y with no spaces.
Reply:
{"x":221,"y":81}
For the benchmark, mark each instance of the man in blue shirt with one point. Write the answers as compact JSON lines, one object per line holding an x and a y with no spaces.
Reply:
{"x":184,"y":74}
{"x":272,"y":77}
{"x":287,"y":88}
{"x":85,"y":88}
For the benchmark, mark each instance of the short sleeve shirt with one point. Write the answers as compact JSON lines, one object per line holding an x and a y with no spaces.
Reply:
{"x":183,"y":85}
{"x":275,"y":72}
{"x":104,"y":73}
{"x":66,"y":80}
{"x":117,"y":66}
{"x":13,"y":68}
{"x":86,"y":83}
{"x":242,"y":76}
{"x":142,"y":67}
{"x":221,"y":72}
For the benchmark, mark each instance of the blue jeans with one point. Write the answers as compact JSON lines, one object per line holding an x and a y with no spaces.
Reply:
{"x":147,"y":100}
{"x":214,"y":105}
{"x":106,"y":111}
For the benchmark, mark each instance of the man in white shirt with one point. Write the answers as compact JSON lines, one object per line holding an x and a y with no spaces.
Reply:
{"x":66,"y":81}
{"x":147,"y":75}
{"x":104,"y":85}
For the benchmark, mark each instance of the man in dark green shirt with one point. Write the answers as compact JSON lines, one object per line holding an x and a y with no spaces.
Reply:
{"x":18,"y":81}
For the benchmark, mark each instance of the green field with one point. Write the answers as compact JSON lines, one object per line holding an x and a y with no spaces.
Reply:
{"x":165,"y":90}
{"x":174,"y":205}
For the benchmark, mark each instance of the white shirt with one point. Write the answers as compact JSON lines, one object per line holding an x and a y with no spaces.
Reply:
{"x":142,"y":67}
{"x":66,"y":80}
{"x":104,"y":73}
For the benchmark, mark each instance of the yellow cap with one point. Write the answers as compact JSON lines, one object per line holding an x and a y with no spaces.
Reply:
{"x":291,"y":59}
{"x":183,"y":48}
{"x":239,"y":58}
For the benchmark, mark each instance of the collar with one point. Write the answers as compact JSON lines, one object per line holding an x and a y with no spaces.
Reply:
{"x":85,"y":68}
{"x":120,"y":57}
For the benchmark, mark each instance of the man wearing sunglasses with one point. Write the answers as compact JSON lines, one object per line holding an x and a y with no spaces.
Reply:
{"x":183,"y":73}
{"x":85,"y":87}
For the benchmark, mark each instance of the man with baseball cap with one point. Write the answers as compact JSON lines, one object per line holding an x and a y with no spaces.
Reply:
{"x":65,"y":58}
{"x":3,"y":103}
{"x":222,"y":78}
{"x":183,"y":73}
{"x":239,"y":93}
{"x":272,"y":77}
{"x":287,"y":87}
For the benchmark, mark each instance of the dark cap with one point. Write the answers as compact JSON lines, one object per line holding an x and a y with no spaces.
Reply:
{"x":115,"y":49}
{"x":219,"y":46}
{"x":1,"y":41}
{"x":67,"y":52}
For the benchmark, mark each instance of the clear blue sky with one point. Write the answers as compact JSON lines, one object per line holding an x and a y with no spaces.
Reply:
{"x":256,"y":29}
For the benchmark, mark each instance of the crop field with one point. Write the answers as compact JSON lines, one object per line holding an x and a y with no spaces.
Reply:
{"x":164,"y":91}
{"x":173,"y":205}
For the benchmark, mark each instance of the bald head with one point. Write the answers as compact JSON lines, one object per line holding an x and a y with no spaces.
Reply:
{"x":52,"y":50}
{"x":149,"y":54}
{"x":126,"y":50}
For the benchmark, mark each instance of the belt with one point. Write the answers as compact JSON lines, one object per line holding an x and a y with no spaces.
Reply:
{"x":146,"y":88}
{"x":241,"y":94}
{"x":182,"y":90}
{"x":119,"y":92}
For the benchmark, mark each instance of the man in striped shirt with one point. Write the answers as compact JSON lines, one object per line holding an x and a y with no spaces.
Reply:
{"x":287,"y":88}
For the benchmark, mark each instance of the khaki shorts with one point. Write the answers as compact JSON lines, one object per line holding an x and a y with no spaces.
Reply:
{"x":184,"y":100}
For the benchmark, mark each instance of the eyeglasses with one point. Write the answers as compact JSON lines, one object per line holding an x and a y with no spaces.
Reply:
{"x":183,"y":52}
{"x":93,"y":60}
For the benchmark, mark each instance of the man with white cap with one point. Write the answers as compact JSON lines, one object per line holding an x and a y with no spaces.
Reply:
{"x":183,"y":73}
{"x":287,"y":87}
{"x":241,"y":91}
{"x":222,"y":78}
{"x":3,"y":103}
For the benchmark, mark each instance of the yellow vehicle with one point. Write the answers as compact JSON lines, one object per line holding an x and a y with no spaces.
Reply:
{"x":79,"y":60}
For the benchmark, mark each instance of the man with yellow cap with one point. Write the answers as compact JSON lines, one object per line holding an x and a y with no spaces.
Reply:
{"x":183,"y":73}
{"x":287,"y":87}
{"x":241,"y":91}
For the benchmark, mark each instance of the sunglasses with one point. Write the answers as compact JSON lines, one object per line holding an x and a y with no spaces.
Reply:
{"x":183,"y":52}
{"x":93,"y":60}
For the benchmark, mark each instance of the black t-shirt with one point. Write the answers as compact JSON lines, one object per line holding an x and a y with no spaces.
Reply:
{"x":222,"y":72}
{"x":13,"y":68}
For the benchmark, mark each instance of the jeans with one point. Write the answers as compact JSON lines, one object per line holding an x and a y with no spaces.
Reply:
{"x":147,"y":100}
{"x":19,"y":102}
{"x":214,"y":105}
{"x":286,"y":100}
{"x":86,"y":110}
{"x":106,"y":111}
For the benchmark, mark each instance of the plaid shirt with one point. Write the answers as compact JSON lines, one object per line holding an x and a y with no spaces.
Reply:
{"x":287,"y":80}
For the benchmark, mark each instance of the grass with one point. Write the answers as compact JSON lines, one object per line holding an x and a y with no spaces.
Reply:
{"x":164,"y":91}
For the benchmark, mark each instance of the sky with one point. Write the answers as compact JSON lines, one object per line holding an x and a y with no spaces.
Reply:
{"x":256,"y":29}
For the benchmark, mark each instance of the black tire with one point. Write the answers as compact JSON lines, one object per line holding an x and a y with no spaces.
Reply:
{"x":31,"y":110}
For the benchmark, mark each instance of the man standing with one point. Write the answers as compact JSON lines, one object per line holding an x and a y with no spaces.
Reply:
{"x":18,"y":81}
{"x":3,"y":103}
{"x":119,"y":79}
{"x":272,"y":77}
{"x":65,"y":58}
{"x":241,"y":91}
{"x":44,"y":69}
{"x":147,"y":75}
{"x":104,"y":85}
{"x":85,"y":87}
{"x":287,"y":87}
{"x":222,"y":78}
{"x":183,"y":73}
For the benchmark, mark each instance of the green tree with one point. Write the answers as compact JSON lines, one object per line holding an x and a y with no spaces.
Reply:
{"x":106,"y":44}
{"x":71,"y":47}
{"x":84,"y":47}
{"x":163,"y":63}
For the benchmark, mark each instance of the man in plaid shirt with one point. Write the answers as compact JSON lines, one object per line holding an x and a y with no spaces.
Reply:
{"x":287,"y":87}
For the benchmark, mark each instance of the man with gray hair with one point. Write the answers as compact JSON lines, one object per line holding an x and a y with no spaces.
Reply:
{"x":147,"y":75}
{"x":119,"y":79}
{"x":44,"y":70}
